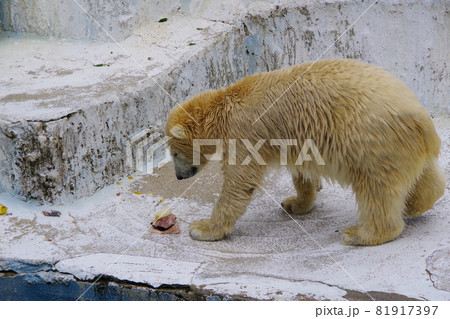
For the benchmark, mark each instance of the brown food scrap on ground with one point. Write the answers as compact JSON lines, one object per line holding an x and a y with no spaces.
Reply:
{"x":165,"y":223}
{"x":51,"y":213}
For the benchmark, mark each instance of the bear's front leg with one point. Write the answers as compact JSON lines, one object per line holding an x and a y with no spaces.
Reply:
{"x":234,"y":198}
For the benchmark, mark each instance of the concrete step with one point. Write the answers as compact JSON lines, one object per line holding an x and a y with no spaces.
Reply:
{"x":70,"y":109}
{"x":77,"y":19}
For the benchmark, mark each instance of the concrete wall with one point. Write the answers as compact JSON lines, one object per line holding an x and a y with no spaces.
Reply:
{"x":65,"y":19}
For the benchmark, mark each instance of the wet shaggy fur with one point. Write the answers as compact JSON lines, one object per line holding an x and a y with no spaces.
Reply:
{"x":370,"y":129}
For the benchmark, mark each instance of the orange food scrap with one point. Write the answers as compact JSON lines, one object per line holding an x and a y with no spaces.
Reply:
{"x":165,"y":223}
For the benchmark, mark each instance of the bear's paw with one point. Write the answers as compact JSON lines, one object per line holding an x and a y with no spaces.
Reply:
{"x":364,"y":236}
{"x":205,"y":230}
{"x":292,"y":205}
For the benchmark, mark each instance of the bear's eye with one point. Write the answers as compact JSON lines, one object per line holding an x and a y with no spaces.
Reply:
{"x":175,"y":154}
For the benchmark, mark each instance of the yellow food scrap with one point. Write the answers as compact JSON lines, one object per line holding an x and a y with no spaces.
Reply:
{"x":161,"y":199}
{"x":137,"y":193}
{"x":130,"y":177}
{"x":118,"y":183}
{"x":3,"y":209}
{"x":163,"y":212}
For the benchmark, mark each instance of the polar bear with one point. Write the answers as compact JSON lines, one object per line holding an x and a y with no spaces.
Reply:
{"x":369,"y":129}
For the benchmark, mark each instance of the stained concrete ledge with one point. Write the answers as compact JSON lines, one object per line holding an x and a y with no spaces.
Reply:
{"x":39,"y":282}
{"x":42,"y":283}
{"x":64,"y":123}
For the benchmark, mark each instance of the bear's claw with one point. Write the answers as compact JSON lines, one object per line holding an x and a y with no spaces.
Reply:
{"x":204,"y":230}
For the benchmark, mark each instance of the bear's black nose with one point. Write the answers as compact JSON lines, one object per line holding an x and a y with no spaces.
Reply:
{"x":179,"y":177}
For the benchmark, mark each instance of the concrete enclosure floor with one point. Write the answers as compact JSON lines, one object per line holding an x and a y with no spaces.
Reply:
{"x":267,"y":256}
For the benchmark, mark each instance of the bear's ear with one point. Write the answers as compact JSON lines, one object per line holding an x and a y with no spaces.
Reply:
{"x":178,"y":131}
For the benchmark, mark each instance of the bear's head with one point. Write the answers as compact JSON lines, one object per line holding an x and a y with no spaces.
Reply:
{"x":181,"y":149}
{"x":185,"y":125}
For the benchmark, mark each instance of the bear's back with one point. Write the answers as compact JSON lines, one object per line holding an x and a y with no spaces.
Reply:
{"x":334,"y":79}
{"x":337,"y":99}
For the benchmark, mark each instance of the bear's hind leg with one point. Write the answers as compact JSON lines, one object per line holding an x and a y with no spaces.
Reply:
{"x":306,"y":195}
{"x":429,"y":187}
{"x":381,"y":218}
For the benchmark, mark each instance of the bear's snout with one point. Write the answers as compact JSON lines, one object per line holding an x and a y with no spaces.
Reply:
{"x":186,"y":174}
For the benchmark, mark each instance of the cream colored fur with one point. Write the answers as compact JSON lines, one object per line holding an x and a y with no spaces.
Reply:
{"x":370,"y":129}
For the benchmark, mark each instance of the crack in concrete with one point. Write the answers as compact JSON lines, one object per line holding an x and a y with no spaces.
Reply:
{"x":63,"y":117}
{"x":436,"y":273}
